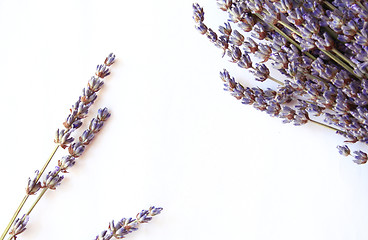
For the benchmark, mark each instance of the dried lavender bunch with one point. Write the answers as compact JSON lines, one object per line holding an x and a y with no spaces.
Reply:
{"x":64,"y":139}
{"x":127,"y":225}
{"x":320,"y":48}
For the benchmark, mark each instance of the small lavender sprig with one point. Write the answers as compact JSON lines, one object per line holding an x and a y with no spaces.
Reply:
{"x":127,"y":225}
{"x":73,"y":121}
{"x":53,"y":178}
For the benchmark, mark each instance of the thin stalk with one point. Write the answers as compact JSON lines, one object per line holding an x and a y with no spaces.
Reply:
{"x":343,"y":57}
{"x":286,"y":36}
{"x":324,"y":125}
{"x":37,"y":200}
{"x":14,"y":216}
{"x":361,"y":5}
{"x":333,"y":57}
{"x":275,"y":80}
{"x":26,"y":196}
{"x":329,"y":5}
{"x":339,"y":61}
{"x":47,"y":162}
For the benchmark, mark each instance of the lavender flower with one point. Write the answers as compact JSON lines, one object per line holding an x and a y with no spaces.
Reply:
{"x":360,"y":157}
{"x":33,"y":184}
{"x":127,"y":225}
{"x":63,"y":137}
{"x":19,"y":226}
{"x":344,"y":150}
{"x":53,"y":179}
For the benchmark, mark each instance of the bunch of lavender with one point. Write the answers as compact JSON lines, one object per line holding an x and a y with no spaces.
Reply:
{"x":65,"y":140}
{"x":320,"y":48}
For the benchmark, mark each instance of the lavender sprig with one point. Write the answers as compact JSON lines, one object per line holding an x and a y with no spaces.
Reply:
{"x":125,"y":226}
{"x":63,"y":137}
{"x":53,"y":178}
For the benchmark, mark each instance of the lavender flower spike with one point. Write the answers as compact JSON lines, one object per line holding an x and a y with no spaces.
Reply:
{"x":127,"y":225}
{"x":19,"y":226}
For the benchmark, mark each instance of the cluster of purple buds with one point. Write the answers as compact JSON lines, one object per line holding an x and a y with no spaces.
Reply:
{"x":127,"y":225}
{"x":18,"y":227}
{"x":320,"y":48}
{"x":76,"y":149}
{"x":80,"y":109}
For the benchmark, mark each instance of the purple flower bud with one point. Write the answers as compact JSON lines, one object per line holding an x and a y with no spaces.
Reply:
{"x":143,"y":216}
{"x":66,"y":162}
{"x":86,"y":137}
{"x":53,"y":179}
{"x":236,"y":38}
{"x":360,"y":157}
{"x":110,"y":59}
{"x":226,"y":30}
{"x":19,"y":226}
{"x":102,"y":71}
{"x":95,"y":125}
{"x":76,"y":149}
{"x":344,"y":150}
{"x":103,"y":114}
{"x":201,"y":27}
{"x":259,"y":31}
{"x":212,"y":36}
{"x":262,"y":72}
{"x":224,"y":4}
{"x":33,"y":184}
{"x":153,"y":211}
{"x":62,"y":137}
{"x":88,"y":96}
{"x":198,"y":14}
{"x":95,"y":84}
{"x":284,"y":5}
{"x":104,"y":235}
{"x":245,"y":61}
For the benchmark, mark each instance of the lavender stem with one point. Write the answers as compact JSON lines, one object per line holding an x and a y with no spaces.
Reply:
{"x":286,"y":36}
{"x":14,"y":216}
{"x":26,"y":196}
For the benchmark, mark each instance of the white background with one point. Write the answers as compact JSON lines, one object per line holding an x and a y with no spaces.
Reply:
{"x":220,"y":170}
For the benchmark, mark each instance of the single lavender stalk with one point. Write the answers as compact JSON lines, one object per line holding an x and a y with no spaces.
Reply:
{"x":53,"y":178}
{"x":127,"y":225}
{"x":73,"y":121}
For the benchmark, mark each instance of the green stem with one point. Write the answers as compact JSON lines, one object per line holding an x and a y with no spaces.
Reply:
{"x":324,"y":125}
{"x":333,"y":57}
{"x":286,"y":36}
{"x":275,"y":80}
{"x":37,"y":200}
{"x":343,"y":57}
{"x":329,"y":5}
{"x":339,"y":61}
{"x":26,"y":196}
{"x":47,"y":163}
{"x":14,"y":216}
